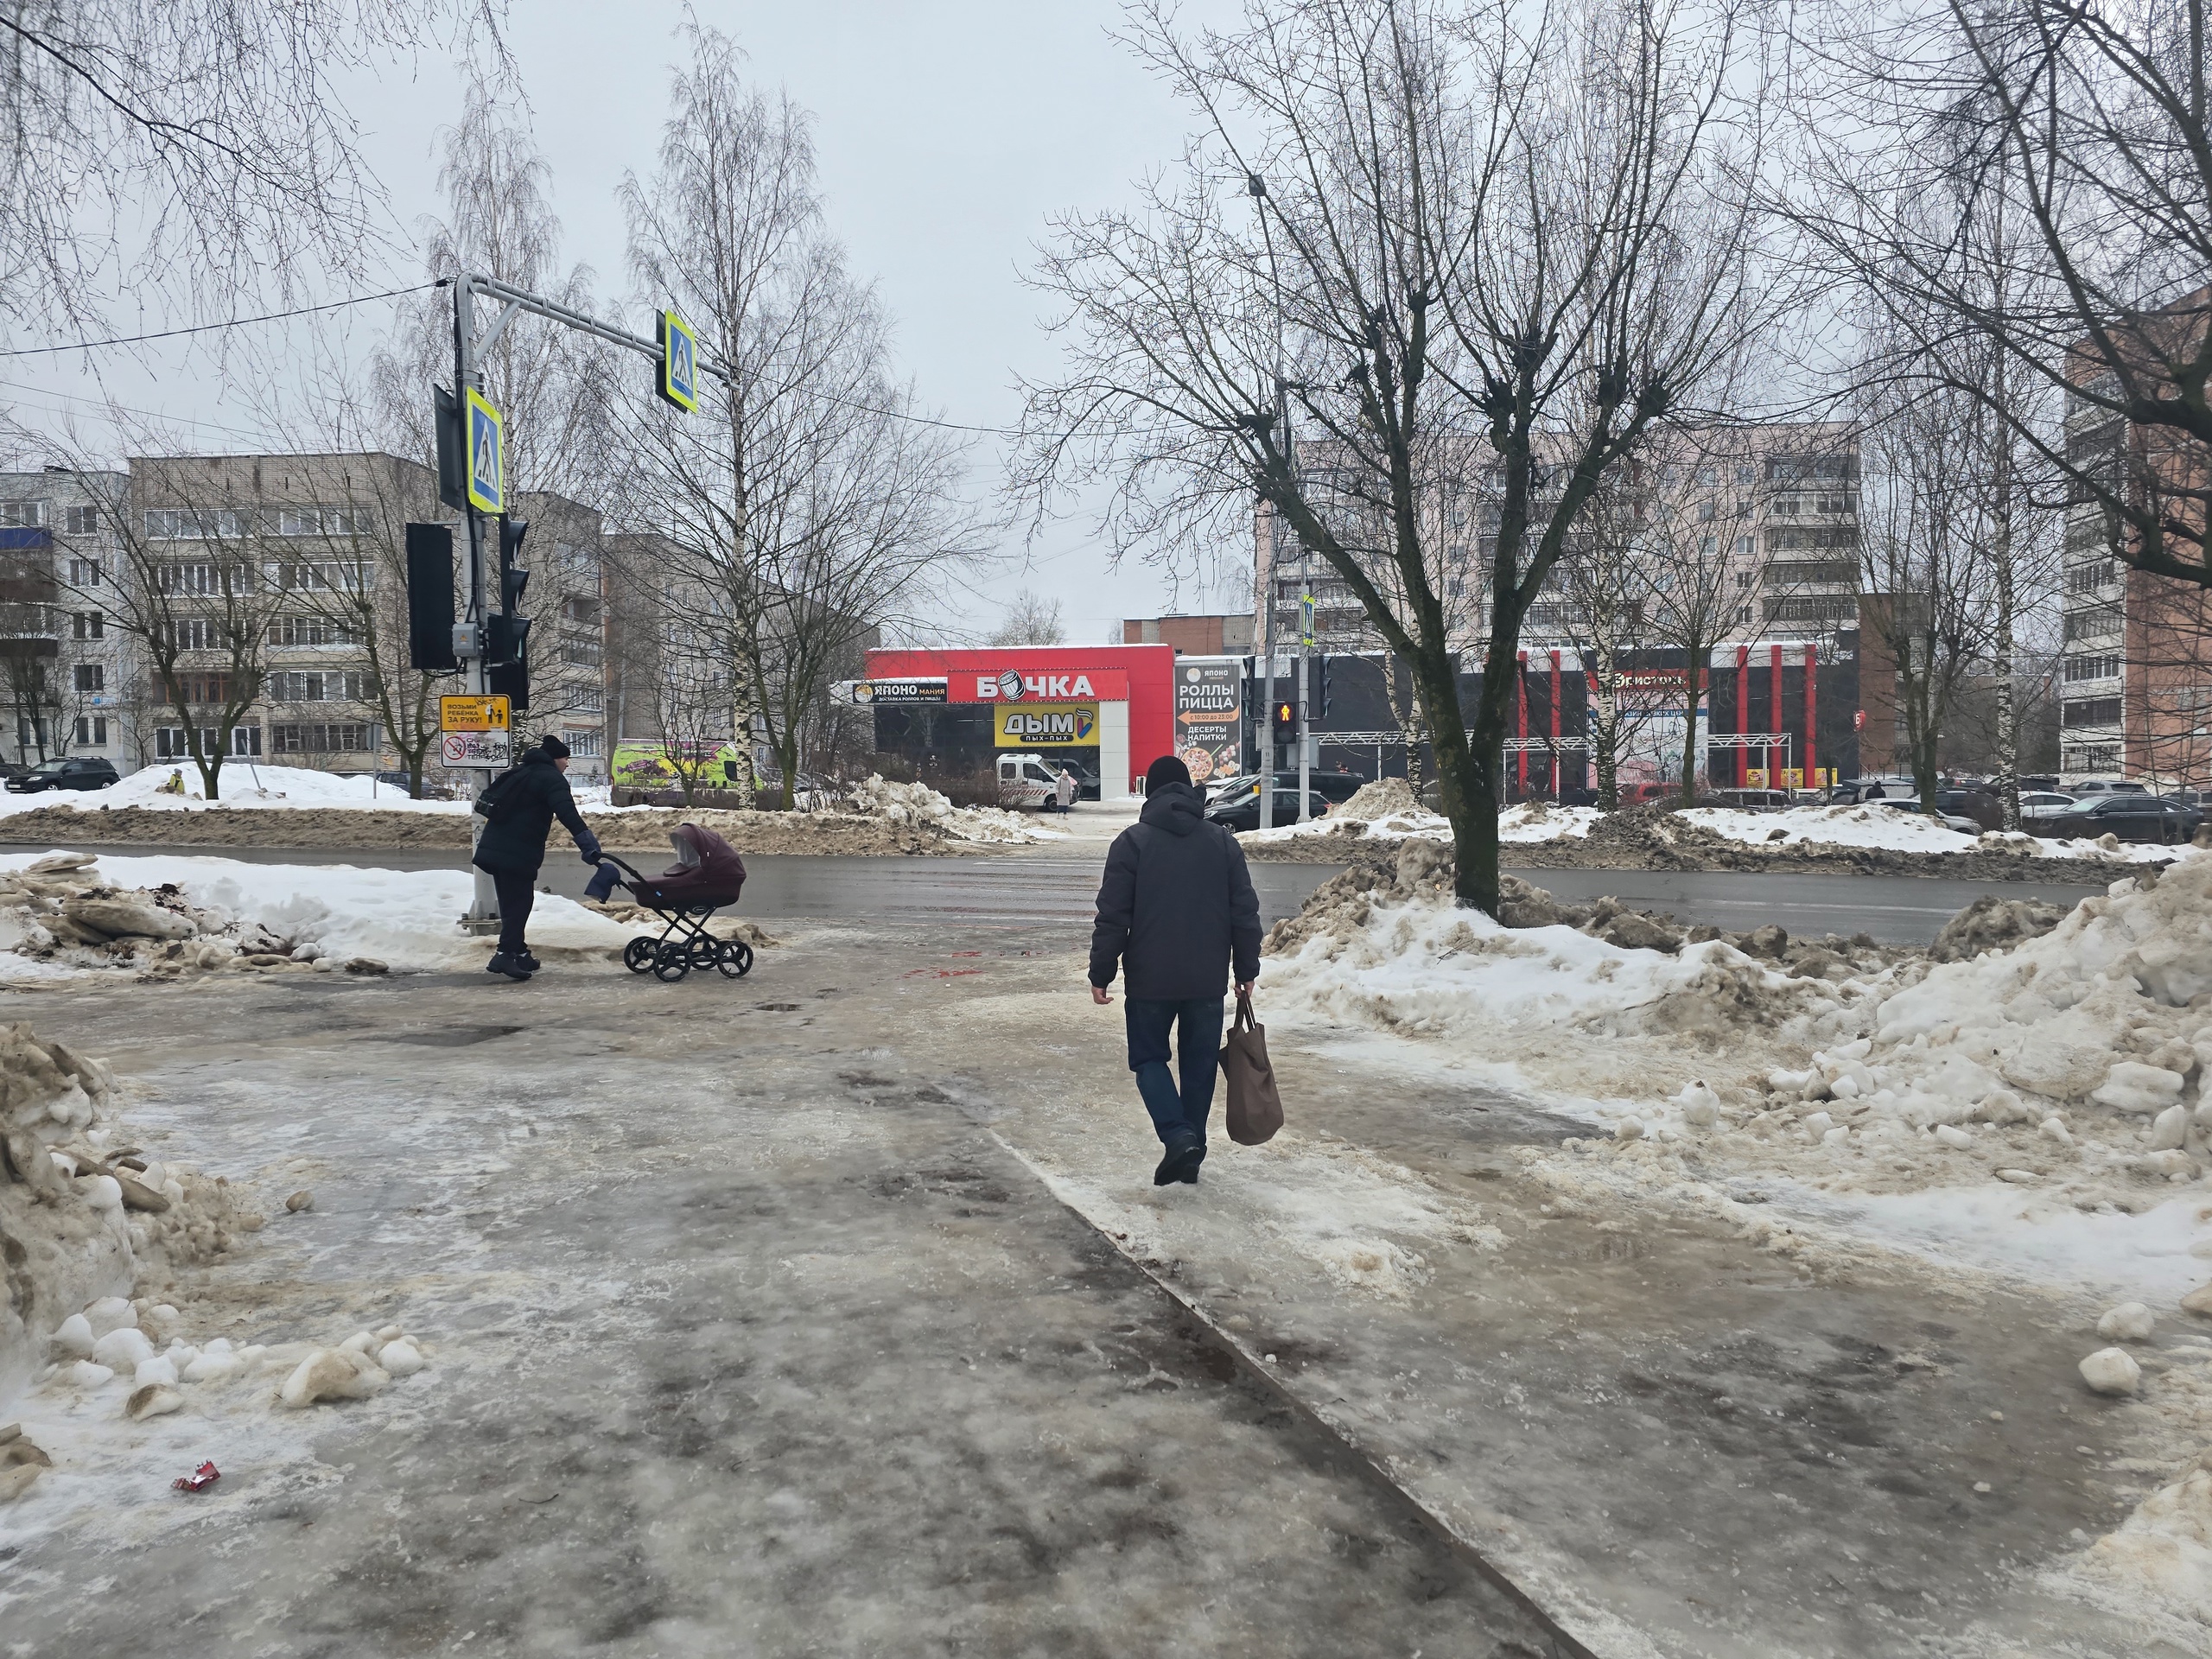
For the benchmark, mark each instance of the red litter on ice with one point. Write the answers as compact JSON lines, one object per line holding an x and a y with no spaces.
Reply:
{"x":199,"y":1480}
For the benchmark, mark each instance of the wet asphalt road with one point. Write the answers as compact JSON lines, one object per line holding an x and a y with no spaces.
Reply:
{"x":1019,"y":891}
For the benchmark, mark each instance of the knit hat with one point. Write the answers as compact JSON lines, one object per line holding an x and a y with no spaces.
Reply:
{"x":553,"y":747}
{"x":1165,"y":770}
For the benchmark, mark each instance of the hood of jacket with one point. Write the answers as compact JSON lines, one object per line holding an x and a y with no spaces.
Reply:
{"x":535,"y":757}
{"x":1176,"y":807}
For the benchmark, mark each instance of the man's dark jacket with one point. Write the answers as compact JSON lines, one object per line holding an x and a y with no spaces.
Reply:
{"x":1177,"y":902}
{"x":514,"y":840}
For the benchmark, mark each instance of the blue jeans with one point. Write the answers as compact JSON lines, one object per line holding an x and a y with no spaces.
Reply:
{"x":1199,"y":1052}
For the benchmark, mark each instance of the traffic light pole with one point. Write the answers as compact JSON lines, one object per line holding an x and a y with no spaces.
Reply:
{"x":484,"y":906}
{"x":468,"y":354}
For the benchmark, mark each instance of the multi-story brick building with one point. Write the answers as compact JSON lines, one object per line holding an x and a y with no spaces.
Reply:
{"x":2135,"y":669}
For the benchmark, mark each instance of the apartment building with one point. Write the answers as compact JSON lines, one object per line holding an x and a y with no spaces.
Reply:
{"x":2136,"y":665}
{"x":255,"y":606}
{"x":66,"y":674}
{"x":1765,"y":517}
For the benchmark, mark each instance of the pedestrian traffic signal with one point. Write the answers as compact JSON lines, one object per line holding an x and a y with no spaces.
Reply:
{"x":513,"y":578}
{"x":430,"y":599}
{"x":1319,"y":701}
{"x":1284,"y":718}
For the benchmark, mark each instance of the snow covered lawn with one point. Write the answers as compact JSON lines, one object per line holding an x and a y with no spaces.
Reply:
{"x":242,"y":785}
{"x":1894,"y":830}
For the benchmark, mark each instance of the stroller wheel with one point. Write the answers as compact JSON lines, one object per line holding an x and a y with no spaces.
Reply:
{"x":703,"y":951}
{"x":638,"y":955}
{"x":735,"y":958}
{"x":671,"y":962}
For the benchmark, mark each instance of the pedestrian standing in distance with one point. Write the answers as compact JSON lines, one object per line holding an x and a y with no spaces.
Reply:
{"x":1176,"y":911}
{"x":1064,"y":791}
{"x":518,"y":811}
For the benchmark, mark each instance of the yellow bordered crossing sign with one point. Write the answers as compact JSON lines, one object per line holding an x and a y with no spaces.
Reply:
{"x":487,"y":486}
{"x":472,"y":713}
{"x":679,"y":362}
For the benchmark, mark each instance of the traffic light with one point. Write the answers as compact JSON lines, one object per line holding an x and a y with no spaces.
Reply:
{"x":512,"y":577}
{"x":507,"y":639}
{"x":430,"y":599}
{"x":1319,"y":701}
{"x":1283,"y":716}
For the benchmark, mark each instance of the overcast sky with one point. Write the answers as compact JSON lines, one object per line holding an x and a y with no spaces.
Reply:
{"x":946,"y":131}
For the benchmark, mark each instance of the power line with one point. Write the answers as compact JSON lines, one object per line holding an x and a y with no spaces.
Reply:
{"x":235,"y":322}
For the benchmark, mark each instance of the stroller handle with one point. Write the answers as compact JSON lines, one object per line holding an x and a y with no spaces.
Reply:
{"x":623,"y":865}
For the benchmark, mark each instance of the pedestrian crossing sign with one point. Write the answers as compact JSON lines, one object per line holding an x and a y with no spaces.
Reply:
{"x":487,"y":490}
{"x":679,"y":362}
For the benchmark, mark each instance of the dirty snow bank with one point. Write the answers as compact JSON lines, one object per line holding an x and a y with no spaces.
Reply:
{"x":83,"y":1213}
{"x":921,"y":807}
{"x":1892,"y":830}
{"x":1388,"y":809}
{"x":265,"y":916}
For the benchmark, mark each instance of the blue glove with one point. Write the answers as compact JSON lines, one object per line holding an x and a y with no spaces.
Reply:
{"x":589,"y":846}
{"x":604,"y":883}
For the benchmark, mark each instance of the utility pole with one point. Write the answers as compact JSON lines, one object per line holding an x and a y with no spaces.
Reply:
{"x":483,"y":907}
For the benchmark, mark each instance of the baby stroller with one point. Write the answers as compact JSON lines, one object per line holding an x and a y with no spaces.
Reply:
{"x":707,"y":875}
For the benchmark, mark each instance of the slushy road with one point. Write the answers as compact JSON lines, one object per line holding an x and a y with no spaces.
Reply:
{"x":1040,"y":887}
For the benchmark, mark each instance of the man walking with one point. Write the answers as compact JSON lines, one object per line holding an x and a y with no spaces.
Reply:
{"x":1175,"y":908}
{"x":519,"y":811}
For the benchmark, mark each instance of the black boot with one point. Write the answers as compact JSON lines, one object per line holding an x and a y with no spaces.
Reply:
{"x":1190,"y":1175}
{"x":503,"y":963}
{"x":1184,"y":1151}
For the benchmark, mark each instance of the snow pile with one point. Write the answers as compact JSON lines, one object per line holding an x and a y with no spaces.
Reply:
{"x":1535,"y":821}
{"x":2166,"y":1546}
{"x":1891,"y":828}
{"x":1386,"y":797}
{"x":171,"y":788}
{"x":1385,"y":944}
{"x":919,"y":806}
{"x":82,"y":1211}
{"x":320,"y":917}
{"x":1388,"y":810}
{"x":2080,"y":1052}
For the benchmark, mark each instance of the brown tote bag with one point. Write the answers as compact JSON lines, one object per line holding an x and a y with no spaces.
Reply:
{"x":1255,"y":1106}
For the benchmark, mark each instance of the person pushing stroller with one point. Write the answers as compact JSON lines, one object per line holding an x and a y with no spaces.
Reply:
{"x":518,"y":810}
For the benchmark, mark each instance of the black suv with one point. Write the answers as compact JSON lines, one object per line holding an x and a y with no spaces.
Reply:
{"x":74,"y":772}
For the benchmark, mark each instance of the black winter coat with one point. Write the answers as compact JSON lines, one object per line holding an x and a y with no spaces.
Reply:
{"x":515,"y":843}
{"x":1177,"y":904}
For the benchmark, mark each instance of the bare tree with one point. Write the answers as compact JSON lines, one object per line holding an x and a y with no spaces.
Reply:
{"x":1475,"y":237}
{"x":196,"y":147}
{"x":1602,"y":578}
{"x":2071,"y":148}
{"x":192,"y":594}
{"x":555,"y":385}
{"x":808,"y":497}
{"x":1031,"y":619}
{"x":1928,"y":534}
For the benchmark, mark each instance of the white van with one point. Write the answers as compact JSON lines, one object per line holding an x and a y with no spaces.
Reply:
{"x":1027,"y":781}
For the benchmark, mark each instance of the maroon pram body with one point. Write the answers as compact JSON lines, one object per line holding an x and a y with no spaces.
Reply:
{"x":707,"y":875}
{"x":707,"y":871}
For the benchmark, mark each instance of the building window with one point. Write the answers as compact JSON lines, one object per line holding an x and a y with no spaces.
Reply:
{"x":583,"y":698}
{"x":30,"y":733}
{"x":583,"y":744}
{"x":1742,"y":615}
{"x":335,"y":737}
{"x":322,"y":685}
{"x":1743,"y":579}
{"x":2101,"y":623}
{"x":2087,"y":578}
{"x":174,"y":742}
{"x":2090,"y":757}
{"x":195,"y":688}
{"x":582,"y":653}
{"x":328,"y":577}
{"x":293,"y":631}
{"x":22,"y":515}
{"x":2103,"y":666}
{"x":91,"y":676}
{"x":176,"y":524}
{"x":88,"y":625}
{"x":1707,"y":510}
{"x":195,"y":633}
{"x":80,"y":521}
{"x":2093,"y":711}
{"x":317,"y":521}
{"x":202,"y":580}
{"x":92,"y":729}
{"x":84,"y":573}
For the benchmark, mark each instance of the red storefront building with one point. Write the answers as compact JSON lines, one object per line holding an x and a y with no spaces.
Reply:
{"x":1111,"y":705}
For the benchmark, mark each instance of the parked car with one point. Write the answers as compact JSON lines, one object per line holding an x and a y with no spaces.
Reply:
{"x":1853,"y":790}
{"x":1949,"y":820}
{"x":1335,"y":786}
{"x":2131,"y":817}
{"x":2092,"y":788}
{"x":1978,"y":806}
{"x":2037,"y":804}
{"x":71,"y":771}
{"x":1240,"y":811}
